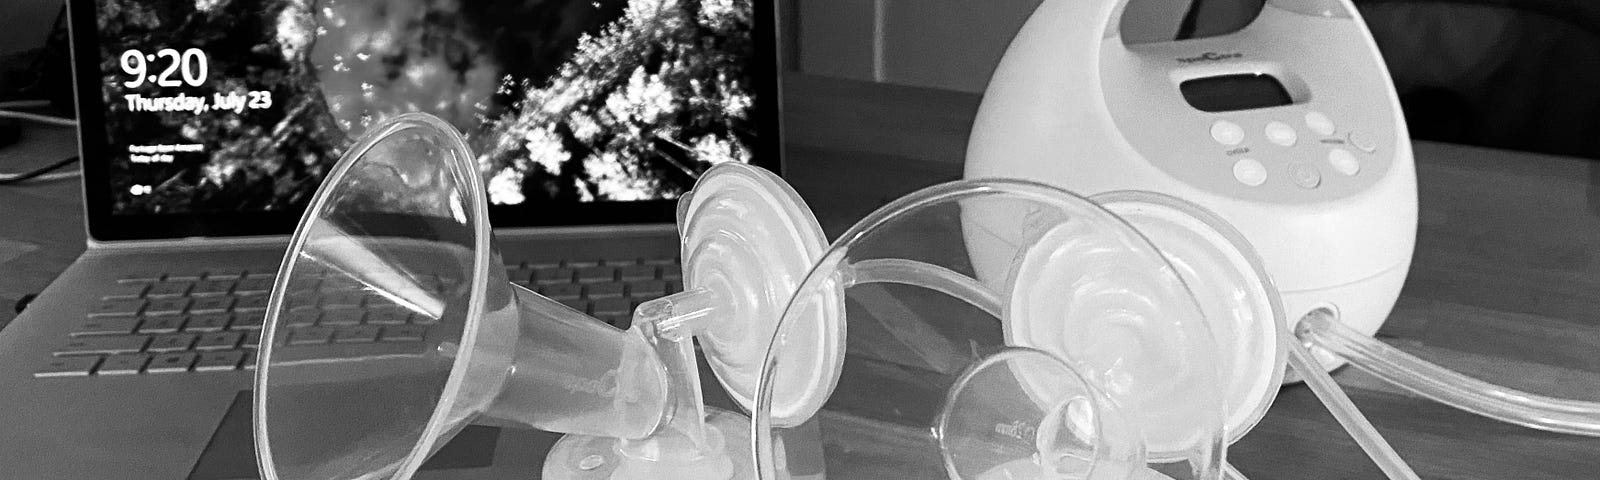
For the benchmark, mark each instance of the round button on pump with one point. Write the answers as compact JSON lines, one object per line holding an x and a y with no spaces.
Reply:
{"x":1227,"y":133}
{"x":1249,"y":172}
{"x":1281,"y":134}
{"x":1305,"y":176}
{"x":1319,"y":124}
{"x":1344,"y":162}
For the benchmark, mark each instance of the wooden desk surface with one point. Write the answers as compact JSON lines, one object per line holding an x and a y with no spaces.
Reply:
{"x":1505,"y":284}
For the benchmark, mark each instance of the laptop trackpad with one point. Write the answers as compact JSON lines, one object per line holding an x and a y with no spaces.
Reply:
{"x":231,"y":453}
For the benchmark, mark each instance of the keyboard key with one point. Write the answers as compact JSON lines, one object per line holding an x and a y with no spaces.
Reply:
{"x":671,"y":273}
{"x":117,"y":308}
{"x":184,"y":277}
{"x":388,"y":316}
{"x":551,"y":276}
{"x":301,"y":301}
{"x":517,"y":274}
{"x":342,"y":300}
{"x":169,"y":289}
{"x":310,"y":335}
{"x":249,"y":359}
{"x":170,"y":343}
{"x":581,"y":263}
{"x":303,"y":283}
{"x":402,"y":333}
{"x":647,"y":289}
{"x":219,"y":361}
{"x":67,"y":367}
{"x":144,"y":277}
{"x":211,"y":286}
{"x":127,"y":290}
{"x":166,"y":306}
{"x":630,"y":273}
{"x":171,"y":363}
{"x":103,"y":345}
{"x":612,"y":306}
{"x":562,"y":291}
{"x":619,"y":321}
{"x":606,"y":290}
{"x":576,"y":304}
{"x":358,"y":334}
{"x":246,"y":321}
{"x":211,"y":305}
{"x":123,"y":364}
{"x":161,"y":325}
{"x":301,"y":318}
{"x":106,"y":326}
{"x":224,"y":275}
{"x":341,"y":317}
{"x":660,"y":261}
{"x":214,"y":322}
{"x":219,"y":341}
{"x":252,"y":339}
{"x":253,"y":303}
{"x":596,"y":274}
{"x":253,"y":285}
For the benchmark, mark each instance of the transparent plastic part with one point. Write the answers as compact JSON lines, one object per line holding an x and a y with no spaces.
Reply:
{"x":996,"y":329}
{"x":1322,"y":329}
{"x":1244,"y":308}
{"x":392,"y":325}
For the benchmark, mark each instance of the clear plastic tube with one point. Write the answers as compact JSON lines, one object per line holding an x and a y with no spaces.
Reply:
{"x":926,"y":275}
{"x":1322,"y":329}
{"x":1346,"y":413}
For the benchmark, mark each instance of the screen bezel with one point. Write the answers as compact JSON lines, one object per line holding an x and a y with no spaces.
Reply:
{"x":105,"y":226}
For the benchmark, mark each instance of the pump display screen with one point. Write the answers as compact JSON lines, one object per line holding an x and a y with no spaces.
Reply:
{"x":1227,"y":93}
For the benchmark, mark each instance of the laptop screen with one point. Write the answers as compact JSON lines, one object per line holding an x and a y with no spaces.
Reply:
{"x":219,"y":117}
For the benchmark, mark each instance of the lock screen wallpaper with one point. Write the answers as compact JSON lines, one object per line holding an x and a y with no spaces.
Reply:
{"x":243,"y":105}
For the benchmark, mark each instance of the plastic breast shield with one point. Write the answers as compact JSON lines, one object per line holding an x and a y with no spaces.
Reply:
{"x":392,"y":325}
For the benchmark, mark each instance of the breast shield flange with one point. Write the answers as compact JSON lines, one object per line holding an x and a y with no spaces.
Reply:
{"x":396,"y":246}
{"x":391,"y":326}
{"x":1090,"y":338}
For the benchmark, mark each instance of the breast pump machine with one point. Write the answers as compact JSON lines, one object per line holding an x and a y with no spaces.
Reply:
{"x":1288,"y":129}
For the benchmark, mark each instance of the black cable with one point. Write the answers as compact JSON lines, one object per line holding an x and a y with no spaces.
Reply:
{"x":25,"y":176}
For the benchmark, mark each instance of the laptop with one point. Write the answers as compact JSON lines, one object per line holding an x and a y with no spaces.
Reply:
{"x":206,"y":126}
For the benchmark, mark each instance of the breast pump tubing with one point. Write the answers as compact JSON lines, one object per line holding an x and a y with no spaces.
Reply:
{"x":1321,"y":328}
{"x":942,"y":280}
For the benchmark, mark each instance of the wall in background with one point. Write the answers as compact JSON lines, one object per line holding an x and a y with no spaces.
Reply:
{"x":950,"y":44}
{"x":25,"y":23}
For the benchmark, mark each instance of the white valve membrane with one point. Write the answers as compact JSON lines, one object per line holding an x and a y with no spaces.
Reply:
{"x":750,"y":239}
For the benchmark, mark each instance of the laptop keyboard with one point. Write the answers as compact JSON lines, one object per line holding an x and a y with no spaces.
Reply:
{"x":175,"y":323}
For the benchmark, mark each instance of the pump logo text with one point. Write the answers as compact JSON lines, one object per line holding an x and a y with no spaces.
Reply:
{"x":1210,"y":57}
